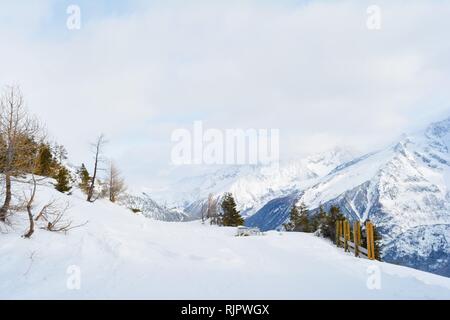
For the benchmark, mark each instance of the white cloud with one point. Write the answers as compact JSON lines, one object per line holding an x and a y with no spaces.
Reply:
{"x":313,"y":70}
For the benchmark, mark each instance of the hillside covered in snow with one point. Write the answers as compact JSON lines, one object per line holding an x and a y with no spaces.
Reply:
{"x":116,"y":253}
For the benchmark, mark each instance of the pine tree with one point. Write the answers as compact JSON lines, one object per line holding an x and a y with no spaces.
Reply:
{"x":63,"y":180}
{"x":294,"y":217}
{"x":318,"y":221}
{"x":329,"y":227}
{"x":303,"y":223}
{"x":298,"y":219}
{"x":231,"y":217}
{"x":45,"y":162}
{"x":84,"y":178}
{"x":377,"y":243}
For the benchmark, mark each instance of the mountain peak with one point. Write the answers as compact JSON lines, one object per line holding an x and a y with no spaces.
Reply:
{"x":439,"y":129}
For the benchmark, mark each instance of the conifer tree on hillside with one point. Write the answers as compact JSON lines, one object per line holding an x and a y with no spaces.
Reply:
{"x":319,"y":220}
{"x":63,"y":180}
{"x":294,"y":217}
{"x":45,"y":163}
{"x":377,"y":243}
{"x":85,"y":178}
{"x":329,"y":228}
{"x":298,"y":219}
{"x":231,"y":217}
{"x":304,"y":225}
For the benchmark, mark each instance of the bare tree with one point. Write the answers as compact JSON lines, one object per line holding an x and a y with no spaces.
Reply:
{"x":204,"y":211}
{"x":115,"y":184}
{"x":98,"y":147}
{"x":56,"y":221}
{"x":30,"y":200}
{"x":210,"y":211}
{"x":48,"y":207}
{"x":31,"y":167}
{"x":29,"y":208}
{"x":54,"y":214}
{"x":17,"y":129}
{"x":60,"y":152}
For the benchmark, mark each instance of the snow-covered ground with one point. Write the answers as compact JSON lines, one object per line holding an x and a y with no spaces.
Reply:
{"x":123,"y":255}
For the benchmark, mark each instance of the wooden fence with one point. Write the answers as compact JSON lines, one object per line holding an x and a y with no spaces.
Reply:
{"x":344,"y":238}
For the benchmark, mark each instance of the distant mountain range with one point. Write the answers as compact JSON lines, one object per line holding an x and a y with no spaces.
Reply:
{"x":404,"y":188}
{"x":252,"y":185}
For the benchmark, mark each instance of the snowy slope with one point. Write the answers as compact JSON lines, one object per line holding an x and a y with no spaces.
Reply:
{"x":252,"y":186}
{"x":123,"y":255}
{"x":405,"y":190}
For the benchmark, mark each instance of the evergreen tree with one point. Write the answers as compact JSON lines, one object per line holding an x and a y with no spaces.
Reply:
{"x":303,"y":223}
{"x":231,"y":217}
{"x":63,"y":180}
{"x":318,"y":221}
{"x":329,"y":227}
{"x":377,"y":244}
{"x":298,"y":219}
{"x":45,"y":162}
{"x":294,"y":217}
{"x":84,"y":178}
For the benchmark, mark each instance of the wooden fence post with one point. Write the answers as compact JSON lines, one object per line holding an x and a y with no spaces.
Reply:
{"x":349,"y":231}
{"x":370,"y":241}
{"x":346,"y":234}
{"x":337,"y":233}
{"x":369,"y":254}
{"x":357,"y":237}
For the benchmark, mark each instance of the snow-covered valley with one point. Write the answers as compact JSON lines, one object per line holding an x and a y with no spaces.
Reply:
{"x":119,"y":254}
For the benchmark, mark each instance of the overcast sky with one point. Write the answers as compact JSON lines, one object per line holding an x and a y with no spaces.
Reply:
{"x":137,"y":70}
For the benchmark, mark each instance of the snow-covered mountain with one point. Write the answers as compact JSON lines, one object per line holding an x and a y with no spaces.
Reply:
{"x":404,"y":189}
{"x":252,"y":186}
{"x":148,"y":207}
